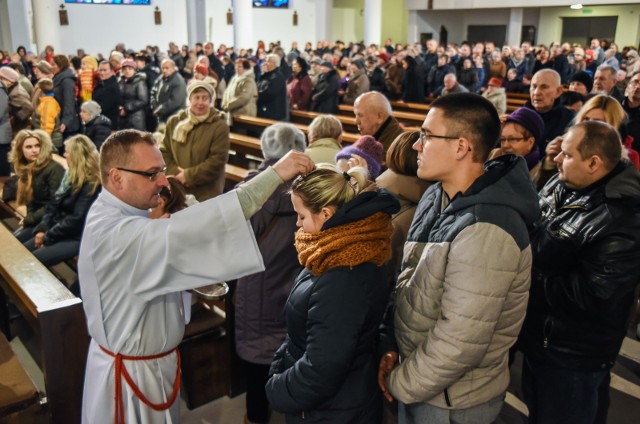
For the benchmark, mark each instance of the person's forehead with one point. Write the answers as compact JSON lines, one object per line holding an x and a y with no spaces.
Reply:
{"x":145,"y":156}
{"x":546,"y":79}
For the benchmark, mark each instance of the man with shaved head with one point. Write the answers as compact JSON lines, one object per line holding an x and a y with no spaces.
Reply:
{"x":373,"y":117}
{"x":169,"y":93}
{"x":545,"y":90}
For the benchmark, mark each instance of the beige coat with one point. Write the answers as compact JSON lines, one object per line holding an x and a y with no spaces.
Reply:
{"x":408,"y":189}
{"x":203,"y":155}
{"x":323,"y":150}
{"x":241,"y":96}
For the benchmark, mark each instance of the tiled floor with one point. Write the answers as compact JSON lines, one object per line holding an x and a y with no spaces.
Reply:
{"x":624,"y":409}
{"x":221,"y":411}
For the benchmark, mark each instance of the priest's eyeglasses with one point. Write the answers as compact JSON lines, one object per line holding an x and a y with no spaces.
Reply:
{"x":151,"y":176}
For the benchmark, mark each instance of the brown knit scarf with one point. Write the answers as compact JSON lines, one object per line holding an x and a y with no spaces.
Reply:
{"x":367,"y":240}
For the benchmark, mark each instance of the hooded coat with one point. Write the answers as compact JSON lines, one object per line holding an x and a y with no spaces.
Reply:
{"x":64,"y":90}
{"x":462,"y":291}
{"x":326,"y":369}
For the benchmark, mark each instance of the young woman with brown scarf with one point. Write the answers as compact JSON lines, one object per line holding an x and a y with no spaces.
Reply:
{"x":325,"y":371}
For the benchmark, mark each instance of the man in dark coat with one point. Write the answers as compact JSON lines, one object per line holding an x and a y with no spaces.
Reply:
{"x":169,"y":93}
{"x":545,"y":91}
{"x":324,"y":97}
{"x":214,"y":63}
{"x":272,"y":91}
{"x":586,"y":264}
{"x":107,"y":93}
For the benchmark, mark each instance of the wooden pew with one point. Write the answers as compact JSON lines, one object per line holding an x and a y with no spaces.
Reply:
{"x":410,"y":119}
{"x":19,"y":398}
{"x":57,"y":318}
{"x":257,"y":125}
{"x":305,"y":117}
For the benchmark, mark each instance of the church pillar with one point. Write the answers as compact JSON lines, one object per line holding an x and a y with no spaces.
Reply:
{"x":46,"y":22}
{"x":243,"y":25}
{"x":372,"y":22}
{"x":514,"y":29}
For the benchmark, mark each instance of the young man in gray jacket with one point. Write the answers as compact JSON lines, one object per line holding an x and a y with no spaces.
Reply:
{"x":462,"y":291}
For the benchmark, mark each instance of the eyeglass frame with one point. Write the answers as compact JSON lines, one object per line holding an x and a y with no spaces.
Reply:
{"x":511,"y":140}
{"x":151,"y":176}
{"x":424,"y":136}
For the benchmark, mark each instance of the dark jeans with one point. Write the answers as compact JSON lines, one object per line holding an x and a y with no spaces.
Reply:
{"x":54,"y":253}
{"x":559,"y":395}
{"x":256,"y":400}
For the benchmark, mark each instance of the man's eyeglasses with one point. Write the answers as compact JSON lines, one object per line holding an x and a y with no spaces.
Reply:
{"x":510,"y":140}
{"x":151,"y":176}
{"x":424,"y":136}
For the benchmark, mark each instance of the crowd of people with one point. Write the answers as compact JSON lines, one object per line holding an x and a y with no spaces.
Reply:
{"x":421,"y":262}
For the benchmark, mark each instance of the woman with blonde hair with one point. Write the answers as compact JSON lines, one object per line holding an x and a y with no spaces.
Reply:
{"x":39,"y":176}
{"x":602,"y":108}
{"x":57,"y":236}
{"x":326,"y":369}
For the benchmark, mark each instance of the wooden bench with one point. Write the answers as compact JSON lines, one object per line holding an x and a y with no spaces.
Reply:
{"x":257,"y":125}
{"x":19,"y":398}
{"x":305,"y":117}
{"x":58,"y":321}
{"x":405,"y":118}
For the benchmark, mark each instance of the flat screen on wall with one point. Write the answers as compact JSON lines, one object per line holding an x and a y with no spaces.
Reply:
{"x":142,"y":2}
{"x":271,"y":3}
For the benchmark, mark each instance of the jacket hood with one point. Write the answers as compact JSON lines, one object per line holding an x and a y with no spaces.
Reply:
{"x":505,"y":182}
{"x":362,"y":206}
{"x":67,"y":73}
{"x":625,"y":185}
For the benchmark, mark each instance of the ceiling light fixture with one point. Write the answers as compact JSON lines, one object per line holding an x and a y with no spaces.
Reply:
{"x":576,"y":6}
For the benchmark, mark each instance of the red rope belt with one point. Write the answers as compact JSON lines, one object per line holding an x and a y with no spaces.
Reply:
{"x":121,"y":371}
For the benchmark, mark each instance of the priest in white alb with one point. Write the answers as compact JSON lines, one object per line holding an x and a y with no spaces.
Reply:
{"x":132,"y":271}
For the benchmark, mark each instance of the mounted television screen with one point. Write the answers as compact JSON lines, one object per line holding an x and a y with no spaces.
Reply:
{"x":271,"y":3}
{"x":142,"y":2}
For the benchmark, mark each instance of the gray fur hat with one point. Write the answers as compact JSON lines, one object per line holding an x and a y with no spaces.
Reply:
{"x":278,"y":139}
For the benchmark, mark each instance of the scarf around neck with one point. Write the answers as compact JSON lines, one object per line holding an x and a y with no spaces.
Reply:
{"x":366,"y":240}
{"x":184,"y":127}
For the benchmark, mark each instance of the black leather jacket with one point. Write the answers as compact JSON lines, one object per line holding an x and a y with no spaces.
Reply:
{"x":586,"y":264}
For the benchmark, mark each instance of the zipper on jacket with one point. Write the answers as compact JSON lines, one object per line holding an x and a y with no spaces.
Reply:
{"x":446,"y":397}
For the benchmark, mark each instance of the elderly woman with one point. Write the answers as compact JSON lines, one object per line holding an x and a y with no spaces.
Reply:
{"x":96,"y":126}
{"x":241,"y":95}
{"x":196,"y":144}
{"x":299,"y":86}
{"x":325,"y":139}
{"x":520,"y":132}
{"x":260,"y":298}
{"x":57,"y":237}
{"x":38,"y":177}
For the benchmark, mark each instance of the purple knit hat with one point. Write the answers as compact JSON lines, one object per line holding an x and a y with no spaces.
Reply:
{"x":370,"y":150}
